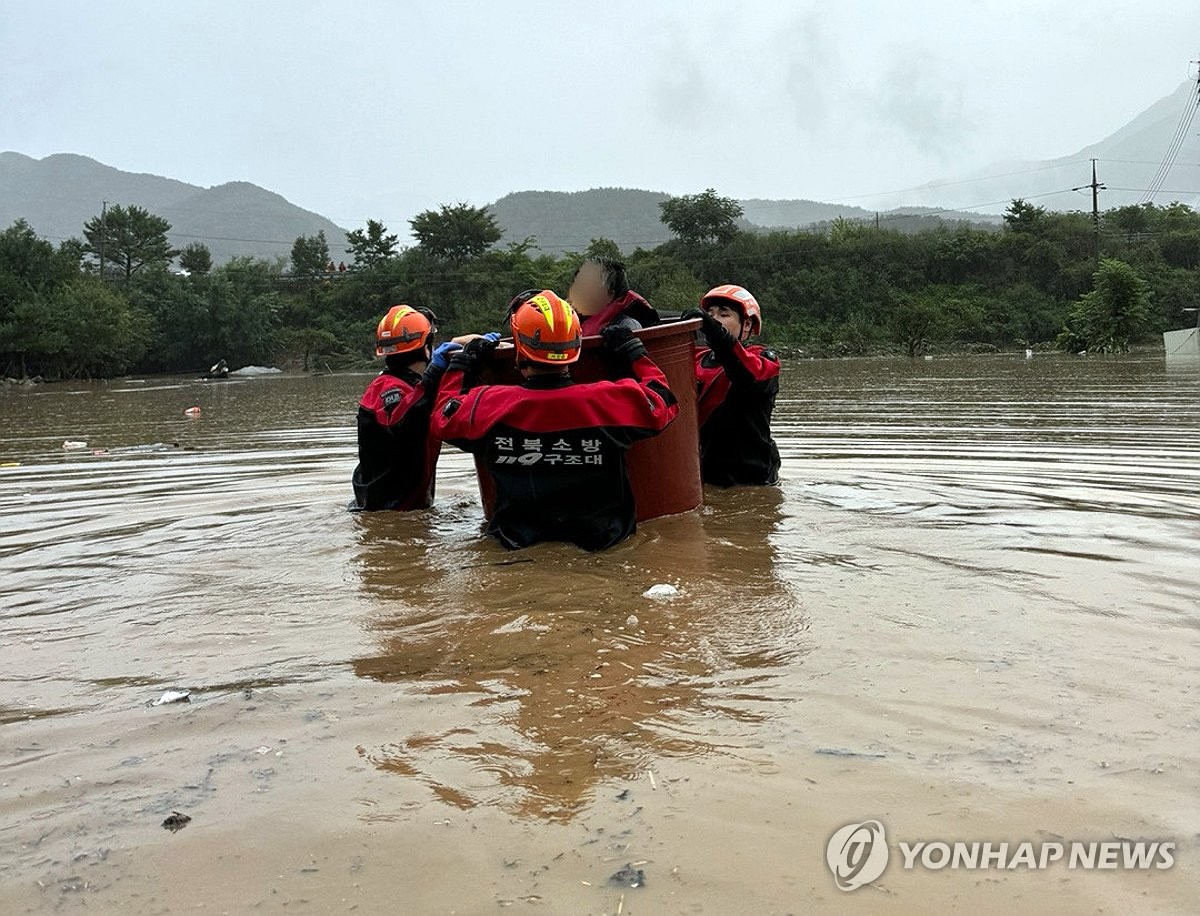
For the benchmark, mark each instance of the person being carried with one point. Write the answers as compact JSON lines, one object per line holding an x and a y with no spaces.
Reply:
{"x":397,"y":457}
{"x":601,"y":296}
{"x":736,"y":387}
{"x":554,"y":449}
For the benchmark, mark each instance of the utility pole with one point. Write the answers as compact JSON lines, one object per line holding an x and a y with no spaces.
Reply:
{"x":1096,"y":189}
{"x":103,"y":233}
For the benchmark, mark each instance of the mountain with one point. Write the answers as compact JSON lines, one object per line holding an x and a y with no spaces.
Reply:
{"x":57,"y":194}
{"x":560,"y":221}
{"x":1128,"y":161}
{"x":568,"y":220}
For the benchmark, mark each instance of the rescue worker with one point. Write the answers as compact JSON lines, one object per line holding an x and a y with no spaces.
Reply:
{"x":601,"y":296}
{"x":737,"y":382}
{"x":397,"y":457}
{"x":554,"y":449}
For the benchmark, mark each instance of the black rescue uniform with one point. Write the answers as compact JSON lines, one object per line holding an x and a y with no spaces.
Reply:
{"x":555,"y":450}
{"x":736,"y":389}
{"x":397,"y":456}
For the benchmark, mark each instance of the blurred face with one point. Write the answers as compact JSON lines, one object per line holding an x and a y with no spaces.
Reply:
{"x":731,"y":319}
{"x":588,"y":295}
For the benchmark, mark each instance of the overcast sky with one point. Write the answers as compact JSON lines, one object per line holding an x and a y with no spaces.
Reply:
{"x":381,"y":109}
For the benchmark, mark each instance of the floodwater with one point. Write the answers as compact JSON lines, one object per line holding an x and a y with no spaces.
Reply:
{"x":971,"y":611}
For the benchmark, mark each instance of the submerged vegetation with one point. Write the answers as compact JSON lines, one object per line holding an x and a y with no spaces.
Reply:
{"x":112,"y":302}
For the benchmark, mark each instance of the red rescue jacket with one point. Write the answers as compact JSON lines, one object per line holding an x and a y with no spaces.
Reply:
{"x":736,"y":389}
{"x":397,"y":456}
{"x":629,"y":305}
{"x":555,"y":450}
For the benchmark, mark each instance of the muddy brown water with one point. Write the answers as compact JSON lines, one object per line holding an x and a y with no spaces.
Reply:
{"x":970,"y":611}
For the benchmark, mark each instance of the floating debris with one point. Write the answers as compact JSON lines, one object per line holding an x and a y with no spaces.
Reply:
{"x":631,"y":620}
{"x":521,"y":623}
{"x":176,"y":821}
{"x":846,"y":752}
{"x":251,"y":371}
{"x":173,"y":696}
{"x":192,"y":412}
{"x":628,"y":876}
{"x":72,"y":445}
{"x":661,"y":591}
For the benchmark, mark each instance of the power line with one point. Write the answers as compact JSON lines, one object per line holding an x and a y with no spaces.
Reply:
{"x":1176,"y":143}
{"x":943,"y":184}
{"x":1156,"y":191}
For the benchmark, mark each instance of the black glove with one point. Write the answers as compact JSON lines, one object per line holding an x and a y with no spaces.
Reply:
{"x":622,"y":341}
{"x":481,"y":347}
{"x":715,"y":334}
{"x":467,"y":359}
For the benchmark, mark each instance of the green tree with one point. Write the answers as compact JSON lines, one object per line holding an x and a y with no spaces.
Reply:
{"x":456,"y":233}
{"x":127,"y":240}
{"x":310,"y":256}
{"x":1132,"y":220}
{"x":196,"y":259}
{"x":31,"y":261}
{"x":73,"y":251}
{"x":912,"y":324}
{"x":309,"y":344}
{"x":603,"y":248}
{"x":371,"y":246}
{"x":1024,"y":217}
{"x":1110,"y":317}
{"x":84,"y":328}
{"x":702,"y":218}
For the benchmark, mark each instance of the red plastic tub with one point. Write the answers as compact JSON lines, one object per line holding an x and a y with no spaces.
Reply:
{"x":664,"y":471}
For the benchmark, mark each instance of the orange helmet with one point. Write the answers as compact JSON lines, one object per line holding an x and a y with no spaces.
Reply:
{"x":738,"y":296}
{"x":546,"y":330}
{"x":402,"y":330}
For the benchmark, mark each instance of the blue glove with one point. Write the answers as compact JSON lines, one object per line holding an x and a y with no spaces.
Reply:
{"x":492,"y":336}
{"x":441,"y":355}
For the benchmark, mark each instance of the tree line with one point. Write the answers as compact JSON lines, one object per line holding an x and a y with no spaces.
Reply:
{"x":114,"y":302}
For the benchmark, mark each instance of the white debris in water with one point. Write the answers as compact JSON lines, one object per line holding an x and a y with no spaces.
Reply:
{"x":519,"y":624}
{"x":631,"y":620}
{"x":256,"y":370}
{"x":173,"y":696}
{"x":1029,"y":354}
{"x":72,"y":444}
{"x":661,"y":590}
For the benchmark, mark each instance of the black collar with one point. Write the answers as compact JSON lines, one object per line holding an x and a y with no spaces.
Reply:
{"x":548,"y":382}
{"x":404,"y":373}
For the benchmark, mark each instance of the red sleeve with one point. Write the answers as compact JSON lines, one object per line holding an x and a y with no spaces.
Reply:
{"x":748,"y":365}
{"x":455,"y":408}
{"x":762,"y":365}
{"x":644,"y":402}
{"x":659,"y":406}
